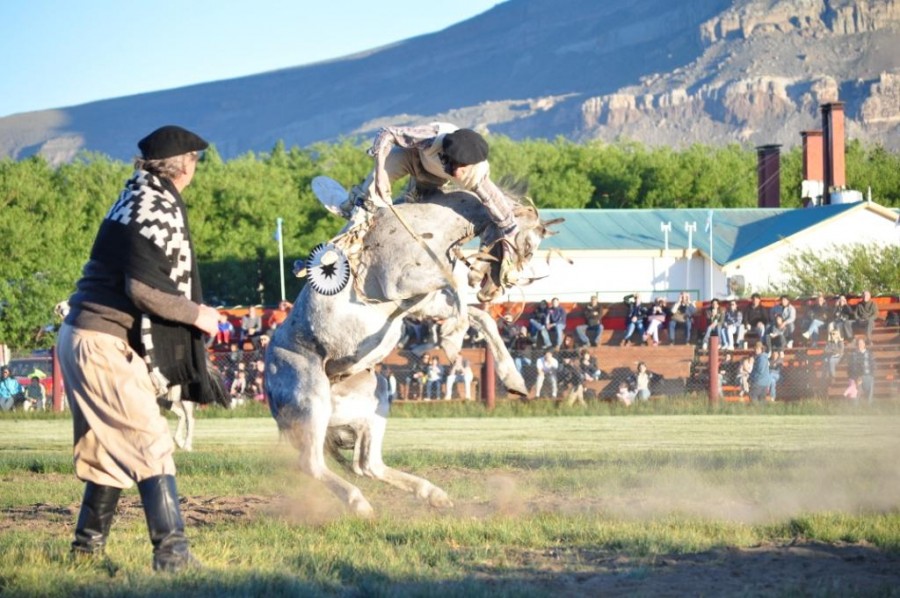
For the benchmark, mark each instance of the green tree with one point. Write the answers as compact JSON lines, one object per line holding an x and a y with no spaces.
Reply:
{"x":849,"y":269}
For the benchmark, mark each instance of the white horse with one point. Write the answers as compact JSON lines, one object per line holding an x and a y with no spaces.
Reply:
{"x":184,"y":410}
{"x":319,"y":366}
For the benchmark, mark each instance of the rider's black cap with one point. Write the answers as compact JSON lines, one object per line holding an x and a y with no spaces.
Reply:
{"x":465,"y":146}
{"x":169,"y":141}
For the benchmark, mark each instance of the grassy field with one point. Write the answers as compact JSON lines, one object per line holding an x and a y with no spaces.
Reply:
{"x":722,"y":504}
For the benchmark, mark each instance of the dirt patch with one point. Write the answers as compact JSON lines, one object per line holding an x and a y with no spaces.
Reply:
{"x":799,"y":567}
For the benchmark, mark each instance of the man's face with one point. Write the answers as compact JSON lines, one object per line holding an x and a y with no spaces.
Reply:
{"x":867,"y":295}
{"x":5,"y":373}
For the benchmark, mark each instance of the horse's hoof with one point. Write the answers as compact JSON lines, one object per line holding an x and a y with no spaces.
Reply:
{"x":362,"y":508}
{"x":439,"y":499}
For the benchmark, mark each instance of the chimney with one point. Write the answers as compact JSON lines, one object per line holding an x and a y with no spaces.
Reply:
{"x":768,"y":174}
{"x":833,"y":141}
{"x":811,"y":187}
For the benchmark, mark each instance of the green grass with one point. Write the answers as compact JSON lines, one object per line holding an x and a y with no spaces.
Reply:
{"x":538,"y":499}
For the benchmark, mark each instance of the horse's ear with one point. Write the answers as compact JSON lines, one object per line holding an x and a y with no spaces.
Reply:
{"x":546,"y":224}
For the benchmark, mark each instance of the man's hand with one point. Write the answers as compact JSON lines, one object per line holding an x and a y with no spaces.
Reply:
{"x":208,"y":320}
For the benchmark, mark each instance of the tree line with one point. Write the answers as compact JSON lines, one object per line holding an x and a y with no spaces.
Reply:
{"x":51,"y":214}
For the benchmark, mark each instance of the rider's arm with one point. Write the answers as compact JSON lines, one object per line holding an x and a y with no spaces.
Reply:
{"x":497,"y":204}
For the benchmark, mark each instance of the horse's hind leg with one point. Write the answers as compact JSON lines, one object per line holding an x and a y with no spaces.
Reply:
{"x":300,"y":399}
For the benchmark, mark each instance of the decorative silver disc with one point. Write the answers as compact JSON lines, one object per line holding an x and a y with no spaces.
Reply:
{"x":328,"y":269}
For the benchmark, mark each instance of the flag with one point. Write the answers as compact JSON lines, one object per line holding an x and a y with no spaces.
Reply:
{"x":708,"y":221}
{"x":277,"y":235}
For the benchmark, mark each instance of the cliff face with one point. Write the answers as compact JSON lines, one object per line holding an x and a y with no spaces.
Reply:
{"x":767,"y":65}
{"x":808,"y":17}
{"x":657,"y":71}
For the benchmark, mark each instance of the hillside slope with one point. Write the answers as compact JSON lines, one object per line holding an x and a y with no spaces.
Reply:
{"x":660,"y":72}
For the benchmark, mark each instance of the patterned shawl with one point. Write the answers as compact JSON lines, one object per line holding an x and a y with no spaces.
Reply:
{"x":146,"y":236}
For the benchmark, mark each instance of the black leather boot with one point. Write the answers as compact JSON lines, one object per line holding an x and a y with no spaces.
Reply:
{"x":95,"y":518}
{"x":170,"y":545}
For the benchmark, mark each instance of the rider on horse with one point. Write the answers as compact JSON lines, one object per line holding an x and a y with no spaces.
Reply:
{"x":432,"y":155}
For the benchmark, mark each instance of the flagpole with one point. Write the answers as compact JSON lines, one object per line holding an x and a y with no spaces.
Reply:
{"x":280,"y":256}
{"x":709,"y":223}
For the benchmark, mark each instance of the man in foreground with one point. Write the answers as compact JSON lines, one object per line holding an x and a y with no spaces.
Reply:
{"x":135,"y":329}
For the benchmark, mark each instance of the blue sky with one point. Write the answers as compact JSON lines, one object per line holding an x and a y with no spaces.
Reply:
{"x":59,"y":53}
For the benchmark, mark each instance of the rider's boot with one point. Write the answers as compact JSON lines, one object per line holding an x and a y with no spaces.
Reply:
{"x":95,"y":518}
{"x":170,"y":545}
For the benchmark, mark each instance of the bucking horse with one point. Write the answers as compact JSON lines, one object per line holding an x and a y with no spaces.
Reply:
{"x":320,"y":378}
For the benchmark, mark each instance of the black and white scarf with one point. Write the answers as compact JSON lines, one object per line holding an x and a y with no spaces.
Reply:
{"x":146,"y":236}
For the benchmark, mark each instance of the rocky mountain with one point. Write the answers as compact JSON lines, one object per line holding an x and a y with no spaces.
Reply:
{"x":657,"y":71}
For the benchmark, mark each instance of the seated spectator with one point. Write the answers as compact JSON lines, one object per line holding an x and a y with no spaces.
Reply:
{"x":256,"y":380}
{"x":834,"y":352}
{"x":842,"y":318}
{"x":866,"y":313}
{"x":278,"y":315}
{"x":473,"y":338}
{"x":592,"y":329}
{"x":435,"y":373}
{"x":641,"y":380}
{"x":556,"y":322}
{"x":816,"y":318}
{"x":35,"y":395}
{"x":251,"y":327}
{"x":225,"y":331}
{"x":775,"y":338}
{"x":625,"y":395}
{"x":537,"y":324}
{"x":756,"y":317}
{"x":715,"y":316}
{"x":788,"y":315}
{"x":732,"y":331}
{"x":10,"y":390}
{"x":571,"y":381}
{"x":682,"y":315}
{"x":460,"y":371}
{"x":416,"y":380}
{"x":507,"y":329}
{"x":520,"y":349}
{"x":547,"y":369}
{"x":412,"y":333}
{"x":588,"y":365}
{"x":656,"y":317}
{"x":239,"y":390}
{"x":637,"y":313}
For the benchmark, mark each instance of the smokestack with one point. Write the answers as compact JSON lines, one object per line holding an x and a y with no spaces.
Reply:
{"x":768,"y":175}
{"x":813,"y":179}
{"x":833,"y":140}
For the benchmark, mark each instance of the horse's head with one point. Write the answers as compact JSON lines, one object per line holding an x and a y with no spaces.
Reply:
{"x":508,"y":259}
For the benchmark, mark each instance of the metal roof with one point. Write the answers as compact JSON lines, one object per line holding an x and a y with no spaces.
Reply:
{"x":737,"y":232}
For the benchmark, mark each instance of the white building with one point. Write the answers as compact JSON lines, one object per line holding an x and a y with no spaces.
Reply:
{"x":617,"y":252}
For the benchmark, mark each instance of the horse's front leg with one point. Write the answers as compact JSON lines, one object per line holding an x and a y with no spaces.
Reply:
{"x":357,"y":408}
{"x":373,"y":466}
{"x":300,"y":399}
{"x":505,"y":366}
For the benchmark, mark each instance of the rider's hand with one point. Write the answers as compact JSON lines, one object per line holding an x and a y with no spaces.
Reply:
{"x":208,"y":320}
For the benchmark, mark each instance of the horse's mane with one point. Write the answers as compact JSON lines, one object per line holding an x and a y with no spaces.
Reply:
{"x":514,"y":189}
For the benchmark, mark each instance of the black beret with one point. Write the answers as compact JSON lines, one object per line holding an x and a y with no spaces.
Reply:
{"x":465,"y":146}
{"x":169,"y":141}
